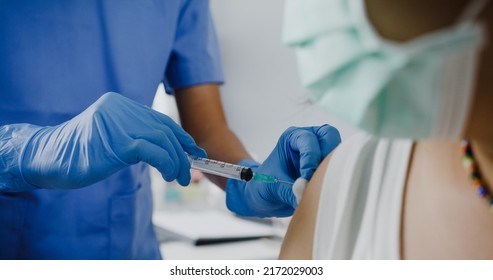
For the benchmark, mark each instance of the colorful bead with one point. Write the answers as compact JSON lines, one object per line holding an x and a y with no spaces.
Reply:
{"x":482,"y":192}
{"x":471,"y":167}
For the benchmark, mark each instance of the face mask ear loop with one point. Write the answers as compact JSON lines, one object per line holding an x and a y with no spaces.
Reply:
{"x":472,"y":10}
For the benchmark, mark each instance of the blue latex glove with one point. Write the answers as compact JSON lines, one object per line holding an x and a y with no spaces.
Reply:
{"x":298,"y":153}
{"x":111,"y":134}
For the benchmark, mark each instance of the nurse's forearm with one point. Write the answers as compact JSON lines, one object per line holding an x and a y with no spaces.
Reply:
{"x":202,"y":116}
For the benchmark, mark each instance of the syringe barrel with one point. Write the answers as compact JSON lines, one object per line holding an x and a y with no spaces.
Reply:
{"x":220,"y":168}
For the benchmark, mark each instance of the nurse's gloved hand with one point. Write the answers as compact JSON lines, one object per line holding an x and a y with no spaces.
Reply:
{"x":297,"y":154}
{"x":112,"y":133}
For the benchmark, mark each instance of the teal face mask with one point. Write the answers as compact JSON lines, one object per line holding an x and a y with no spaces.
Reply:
{"x":419,"y":89}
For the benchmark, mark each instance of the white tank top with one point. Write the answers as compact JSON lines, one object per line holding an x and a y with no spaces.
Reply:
{"x":359,"y":215}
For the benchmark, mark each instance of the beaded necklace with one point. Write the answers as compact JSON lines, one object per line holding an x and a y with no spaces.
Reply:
{"x":472,"y":168}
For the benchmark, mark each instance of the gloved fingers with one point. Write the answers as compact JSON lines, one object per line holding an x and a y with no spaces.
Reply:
{"x":306,"y":143}
{"x":184,"y":176}
{"x":270,"y":199}
{"x":166,"y":140}
{"x":260,"y":199}
{"x":155,"y":156}
{"x":192,"y":148}
{"x":286,"y":195}
{"x":328,"y":138}
{"x":186,"y":141}
{"x":277,"y":195}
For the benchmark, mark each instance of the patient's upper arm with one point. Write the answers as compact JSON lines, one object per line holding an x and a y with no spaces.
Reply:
{"x":298,"y":242}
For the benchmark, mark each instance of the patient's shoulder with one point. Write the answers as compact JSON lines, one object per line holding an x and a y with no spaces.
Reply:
{"x":298,"y":241}
{"x":338,"y":193}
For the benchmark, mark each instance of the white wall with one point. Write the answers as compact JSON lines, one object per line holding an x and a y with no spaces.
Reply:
{"x":262,"y":95}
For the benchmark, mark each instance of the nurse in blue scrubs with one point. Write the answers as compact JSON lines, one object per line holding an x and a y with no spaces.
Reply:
{"x":77,"y":135}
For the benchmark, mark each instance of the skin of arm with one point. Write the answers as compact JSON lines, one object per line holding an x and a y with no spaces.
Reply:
{"x":298,"y":241}
{"x":202,"y":116}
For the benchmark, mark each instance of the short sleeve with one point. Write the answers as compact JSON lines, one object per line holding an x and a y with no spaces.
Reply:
{"x":195,"y":57}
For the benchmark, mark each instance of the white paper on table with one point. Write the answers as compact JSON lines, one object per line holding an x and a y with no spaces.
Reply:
{"x":210,"y":226}
{"x":259,"y":249}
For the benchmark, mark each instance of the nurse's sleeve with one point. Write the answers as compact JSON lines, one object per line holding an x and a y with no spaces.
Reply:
{"x":195,"y":57}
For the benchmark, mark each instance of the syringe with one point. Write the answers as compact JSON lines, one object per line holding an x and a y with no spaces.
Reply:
{"x":229,"y":170}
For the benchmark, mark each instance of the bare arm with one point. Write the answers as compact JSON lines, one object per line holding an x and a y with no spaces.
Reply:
{"x":298,"y":242}
{"x":202,"y":116}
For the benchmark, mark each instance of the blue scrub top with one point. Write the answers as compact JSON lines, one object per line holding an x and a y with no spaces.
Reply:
{"x":57,"y":58}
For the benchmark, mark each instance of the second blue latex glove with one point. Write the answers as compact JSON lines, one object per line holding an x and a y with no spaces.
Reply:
{"x":111,"y":134}
{"x":298,"y":153}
